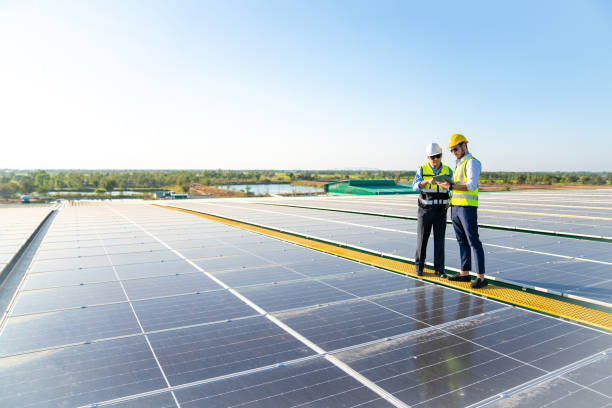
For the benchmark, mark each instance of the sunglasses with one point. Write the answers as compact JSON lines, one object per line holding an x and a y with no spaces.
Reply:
{"x":437,"y":156}
{"x":454,"y":149}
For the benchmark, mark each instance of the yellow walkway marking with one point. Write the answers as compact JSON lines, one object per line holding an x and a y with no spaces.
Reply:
{"x":585,"y":217}
{"x":544,"y":304}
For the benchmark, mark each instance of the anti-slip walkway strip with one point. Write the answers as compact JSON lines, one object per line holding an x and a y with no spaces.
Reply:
{"x":549,"y":305}
{"x":488,"y":226}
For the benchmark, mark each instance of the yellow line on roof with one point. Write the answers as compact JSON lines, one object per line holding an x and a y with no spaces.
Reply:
{"x":544,"y":304}
{"x":585,"y":217}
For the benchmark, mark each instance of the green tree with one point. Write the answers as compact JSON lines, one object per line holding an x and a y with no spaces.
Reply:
{"x":9,"y":190}
{"x":42,"y":179}
{"x":109,"y":184}
{"x":26,"y":185}
{"x":75,"y":181}
{"x":185,"y":186}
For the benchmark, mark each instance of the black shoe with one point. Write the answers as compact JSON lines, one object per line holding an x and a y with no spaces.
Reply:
{"x":479,"y":283}
{"x":460,"y":278}
{"x":419,"y":272}
{"x":441,"y":275}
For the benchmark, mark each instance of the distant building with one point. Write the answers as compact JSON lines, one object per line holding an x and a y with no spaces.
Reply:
{"x":368,"y":187}
{"x":25,"y":199}
{"x":164,"y":194}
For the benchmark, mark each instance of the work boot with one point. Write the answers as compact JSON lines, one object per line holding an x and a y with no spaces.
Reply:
{"x":479,"y":283}
{"x":419,"y":272}
{"x":441,"y":274}
{"x":460,"y":278}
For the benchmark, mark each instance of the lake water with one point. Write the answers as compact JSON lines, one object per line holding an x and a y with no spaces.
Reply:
{"x":260,"y":189}
{"x":90,"y":193}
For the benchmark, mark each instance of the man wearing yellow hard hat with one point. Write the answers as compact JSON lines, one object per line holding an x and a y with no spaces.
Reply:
{"x":464,"y":212}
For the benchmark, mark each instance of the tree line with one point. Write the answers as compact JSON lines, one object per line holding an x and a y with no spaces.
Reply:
{"x":499,"y":177}
{"x":13,"y":182}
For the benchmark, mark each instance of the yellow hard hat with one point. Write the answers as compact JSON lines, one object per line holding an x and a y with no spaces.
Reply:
{"x":456,"y":139}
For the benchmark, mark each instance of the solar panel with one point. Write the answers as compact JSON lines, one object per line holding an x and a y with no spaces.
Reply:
{"x":344,"y":324}
{"x":18,"y":224}
{"x":67,"y":297}
{"x":38,"y":331}
{"x":70,"y":277}
{"x":80,"y":374}
{"x":152,"y":269}
{"x":257,"y":276}
{"x":185,"y":310}
{"x":169,"y":285}
{"x":561,"y":392}
{"x":210,"y":351}
{"x":369,"y":282}
{"x":290,"y":295}
{"x":232,"y":262}
{"x":312,"y":383}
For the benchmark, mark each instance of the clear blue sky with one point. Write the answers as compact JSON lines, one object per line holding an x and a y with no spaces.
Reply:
{"x":304,"y":84}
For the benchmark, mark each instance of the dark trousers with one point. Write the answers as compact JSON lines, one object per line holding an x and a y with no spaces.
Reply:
{"x":428,"y":217}
{"x":465,"y":223}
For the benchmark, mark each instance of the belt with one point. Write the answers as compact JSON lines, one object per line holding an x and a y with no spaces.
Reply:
{"x":432,"y":202}
{"x":434,"y":190}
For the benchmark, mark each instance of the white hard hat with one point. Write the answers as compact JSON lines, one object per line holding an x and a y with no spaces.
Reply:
{"x":432,"y":149}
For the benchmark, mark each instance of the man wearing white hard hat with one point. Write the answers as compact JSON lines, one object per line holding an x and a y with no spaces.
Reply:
{"x":433,"y":202}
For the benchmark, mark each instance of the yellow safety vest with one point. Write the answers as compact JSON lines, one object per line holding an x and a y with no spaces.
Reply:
{"x":433,"y":194}
{"x":463,"y":198}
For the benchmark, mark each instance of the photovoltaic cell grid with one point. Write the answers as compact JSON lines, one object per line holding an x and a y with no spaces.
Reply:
{"x":572,"y":211}
{"x":598,"y":251}
{"x":18,"y":223}
{"x":567,"y":265}
{"x":522,"y":210}
{"x":108,"y":311}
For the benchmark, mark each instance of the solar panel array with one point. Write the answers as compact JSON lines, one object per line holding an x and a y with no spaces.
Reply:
{"x":572,"y":266}
{"x":18,"y":222}
{"x":586,"y":211}
{"x":137,"y":306}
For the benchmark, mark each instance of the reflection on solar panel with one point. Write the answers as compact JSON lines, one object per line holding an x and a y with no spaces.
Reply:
{"x":138,"y":306}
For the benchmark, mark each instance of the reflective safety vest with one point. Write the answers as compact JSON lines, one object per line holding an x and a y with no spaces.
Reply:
{"x":433,"y":194}
{"x":463,"y":198}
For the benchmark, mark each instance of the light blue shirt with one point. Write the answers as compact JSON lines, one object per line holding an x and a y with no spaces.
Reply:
{"x":472,"y":171}
{"x":419,"y":176}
